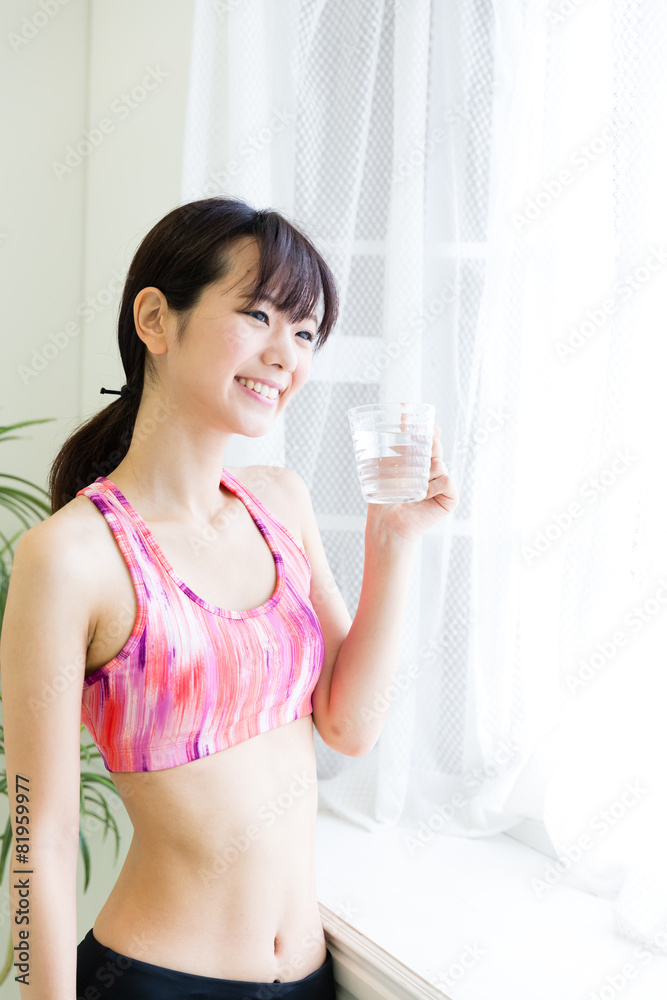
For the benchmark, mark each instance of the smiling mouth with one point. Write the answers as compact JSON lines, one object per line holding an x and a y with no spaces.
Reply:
{"x":270,"y":396}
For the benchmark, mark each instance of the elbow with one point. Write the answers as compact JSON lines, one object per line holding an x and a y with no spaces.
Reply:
{"x":347,"y":743}
{"x":353,"y":749}
{"x":362,"y":751}
{"x":343,"y":734}
{"x":347,"y":748}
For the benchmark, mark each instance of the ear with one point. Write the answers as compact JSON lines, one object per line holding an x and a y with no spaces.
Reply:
{"x":152,"y":319}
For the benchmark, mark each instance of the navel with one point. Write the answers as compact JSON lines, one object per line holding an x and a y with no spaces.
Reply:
{"x":275,"y":949}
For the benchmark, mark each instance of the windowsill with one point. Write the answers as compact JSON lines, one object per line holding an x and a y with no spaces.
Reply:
{"x":428,"y":908}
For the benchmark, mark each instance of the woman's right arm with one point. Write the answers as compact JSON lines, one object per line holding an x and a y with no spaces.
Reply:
{"x":43,"y":649}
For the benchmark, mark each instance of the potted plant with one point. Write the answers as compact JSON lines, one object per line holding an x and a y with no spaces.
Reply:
{"x":30,"y":503}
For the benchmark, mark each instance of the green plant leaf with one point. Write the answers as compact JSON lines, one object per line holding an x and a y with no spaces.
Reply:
{"x":22,"y":423}
{"x":107,"y":820}
{"x":21,"y":503}
{"x":28,"y":482}
{"x":85,"y":853}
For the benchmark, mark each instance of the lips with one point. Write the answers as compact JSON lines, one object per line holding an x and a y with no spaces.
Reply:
{"x":257,"y":395}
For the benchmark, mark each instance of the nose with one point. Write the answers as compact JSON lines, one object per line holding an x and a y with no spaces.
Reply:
{"x":281,"y":348}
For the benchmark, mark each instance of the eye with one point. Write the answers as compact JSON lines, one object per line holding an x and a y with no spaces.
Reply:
{"x":260,"y":312}
{"x":255,"y":312}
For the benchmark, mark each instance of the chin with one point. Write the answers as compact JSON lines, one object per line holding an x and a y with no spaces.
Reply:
{"x":247,"y":432}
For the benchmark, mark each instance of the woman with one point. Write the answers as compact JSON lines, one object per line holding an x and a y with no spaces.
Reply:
{"x":217,"y":895}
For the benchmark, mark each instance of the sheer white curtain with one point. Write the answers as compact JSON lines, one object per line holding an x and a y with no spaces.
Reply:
{"x":600,"y":256}
{"x":422,"y":146}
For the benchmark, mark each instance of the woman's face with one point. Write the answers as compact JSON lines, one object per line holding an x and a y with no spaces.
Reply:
{"x":224,"y":341}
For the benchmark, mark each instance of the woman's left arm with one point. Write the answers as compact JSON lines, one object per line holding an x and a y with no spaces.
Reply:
{"x":362,"y":665}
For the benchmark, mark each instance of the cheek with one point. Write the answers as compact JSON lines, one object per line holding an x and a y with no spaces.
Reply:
{"x":239,"y":336}
{"x":226,"y":349}
{"x":230,"y":345}
{"x":304,"y":367}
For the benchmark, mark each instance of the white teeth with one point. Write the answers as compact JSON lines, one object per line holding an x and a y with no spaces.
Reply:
{"x":260,"y":388}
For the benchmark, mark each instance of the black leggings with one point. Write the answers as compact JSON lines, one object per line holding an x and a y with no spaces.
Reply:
{"x":104,"y":974}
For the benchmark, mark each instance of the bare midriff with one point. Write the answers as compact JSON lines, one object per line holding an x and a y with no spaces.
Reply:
{"x":219,"y":878}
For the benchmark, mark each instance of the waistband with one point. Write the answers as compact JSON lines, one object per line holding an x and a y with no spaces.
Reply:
{"x":105,"y":974}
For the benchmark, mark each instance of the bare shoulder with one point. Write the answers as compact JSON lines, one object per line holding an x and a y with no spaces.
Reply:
{"x":294,"y":489}
{"x":270,"y":481}
{"x":68,"y":538}
{"x":282,"y":491}
{"x":71,"y":525}
{"x":287,"y":487}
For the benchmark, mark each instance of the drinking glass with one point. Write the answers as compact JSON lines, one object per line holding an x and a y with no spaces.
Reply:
{"x":392,"y":447}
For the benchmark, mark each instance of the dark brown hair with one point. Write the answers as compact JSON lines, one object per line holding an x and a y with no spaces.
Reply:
{"x":187,"y":250}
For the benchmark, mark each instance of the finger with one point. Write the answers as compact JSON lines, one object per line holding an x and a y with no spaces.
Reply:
{"x":438,"y":471}
{"x":439,"y":484}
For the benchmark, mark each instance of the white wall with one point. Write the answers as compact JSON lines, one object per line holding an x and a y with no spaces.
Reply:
{"x":62,"y":238}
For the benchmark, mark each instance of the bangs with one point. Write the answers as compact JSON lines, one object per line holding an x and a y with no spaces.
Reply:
{"x":289,"y":276}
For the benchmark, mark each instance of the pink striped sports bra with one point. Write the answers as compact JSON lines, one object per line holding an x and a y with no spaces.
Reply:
{"x":194,"y":679}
